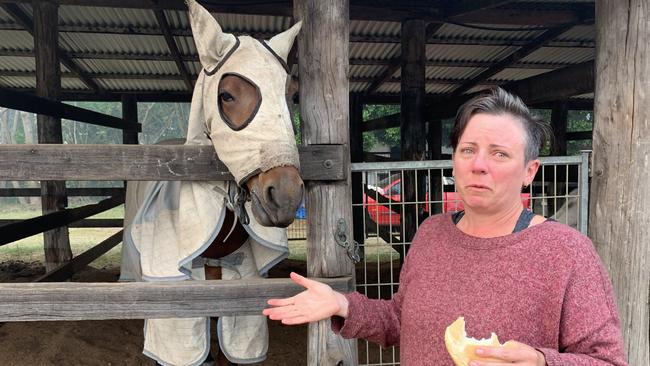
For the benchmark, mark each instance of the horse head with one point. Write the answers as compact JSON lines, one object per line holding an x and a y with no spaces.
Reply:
{"x":240,"y":101}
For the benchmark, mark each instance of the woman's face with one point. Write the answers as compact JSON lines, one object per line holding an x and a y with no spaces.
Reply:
{"x":489,"y":167}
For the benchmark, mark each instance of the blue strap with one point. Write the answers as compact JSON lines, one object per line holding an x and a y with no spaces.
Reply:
{"x":523,"y":221}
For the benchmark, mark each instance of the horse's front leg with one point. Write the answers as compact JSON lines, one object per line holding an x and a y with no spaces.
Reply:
{"x":214,"y":273}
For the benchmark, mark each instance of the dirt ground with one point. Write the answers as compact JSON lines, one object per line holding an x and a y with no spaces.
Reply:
{"x":114,"y":342}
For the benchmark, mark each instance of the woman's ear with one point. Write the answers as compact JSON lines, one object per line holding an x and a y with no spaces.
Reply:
{"x":531,"y":171}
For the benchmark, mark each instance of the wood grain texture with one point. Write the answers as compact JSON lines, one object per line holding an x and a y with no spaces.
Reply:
{"x":620,"y":189}
{"x":324,"y":109}
{"x":48,"y":86}
{"x":145,"y":162}
{"x":140,"y":300}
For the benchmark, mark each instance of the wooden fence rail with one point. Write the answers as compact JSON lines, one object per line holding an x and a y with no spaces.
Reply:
{"x":145,"y":162}
{"x":140,"y":300}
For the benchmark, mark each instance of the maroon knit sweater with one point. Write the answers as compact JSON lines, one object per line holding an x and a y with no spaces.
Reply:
{"x":544,"y":286}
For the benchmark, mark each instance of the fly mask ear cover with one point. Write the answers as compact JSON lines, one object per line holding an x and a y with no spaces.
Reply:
{"x":267,"y":140}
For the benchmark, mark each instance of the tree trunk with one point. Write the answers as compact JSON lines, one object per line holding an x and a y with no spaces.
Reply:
{"x":323,"y":57}
{"x":620,"y":190}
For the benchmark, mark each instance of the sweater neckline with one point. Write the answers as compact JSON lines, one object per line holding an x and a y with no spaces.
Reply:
{"x":460,"y":238}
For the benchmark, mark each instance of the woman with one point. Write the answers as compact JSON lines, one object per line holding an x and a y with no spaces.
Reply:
{"x":505,"y":269}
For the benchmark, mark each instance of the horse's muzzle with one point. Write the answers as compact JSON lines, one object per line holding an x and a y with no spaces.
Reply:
{"x":276,"y":195}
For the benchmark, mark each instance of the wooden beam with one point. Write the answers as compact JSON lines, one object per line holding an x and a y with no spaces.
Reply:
{"x":467,"y":7}
{"x":141,"y":300}
{"x":354,"y":38}
{"x":36,"y":225}
{"x":146,"y":162}
{"x":619,"y":192}
{"x":173,"y":48}
{"x":324,"y":110}
{"x":56,"y":242}
{"x":129,"y":113}
{"x":413,"y":142}
{"x":581,"y":135}
{"x":361,"y":10}
{"x":540,"y":17}
{"x":555,"y":85}
{"x":42,"y":106}
{"x":559,"y":125}
{"x":84,"y":192}
{"x":85,"y":223}
{"x":533,"y":46}
{"x":381,"y":123}
{"x":80,"y":262}
{"x":396,"y":63}
{"x":26,"y":22}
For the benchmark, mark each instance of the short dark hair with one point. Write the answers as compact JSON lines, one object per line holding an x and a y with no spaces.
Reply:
{"x":497,"y":102}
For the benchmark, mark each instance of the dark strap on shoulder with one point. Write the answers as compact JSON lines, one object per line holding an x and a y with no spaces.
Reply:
{"x":522,"y":222}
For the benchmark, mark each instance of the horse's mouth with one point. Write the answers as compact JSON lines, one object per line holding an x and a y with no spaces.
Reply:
{"x":261,"y":213}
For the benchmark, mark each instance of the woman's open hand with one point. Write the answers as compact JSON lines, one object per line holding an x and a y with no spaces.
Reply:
{"x":514,"y":353}
{"x":316,"y":303}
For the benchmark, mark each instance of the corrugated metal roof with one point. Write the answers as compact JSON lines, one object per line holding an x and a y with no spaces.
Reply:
{"x":18,"y":64}
{"x":366,"y":70}
{"x":561,"y":55}
{"x":73,"y":84}
{"x":5,"y":18}
{"x":452,"y":72}
{"x":375,"y":28}
{"x":453,"y":31}
{"x":579,"y":33}
{"x":445,"y":52}
{"x":129,"y":67}
{"x":113,"y":43}
{"x":141,"y":85}
{"x":516,"y":74}
{"x":235,"y":22}
{"x":374,"y":51}
{"x":439,"y":88}
{"x":186,"y":45}
{"x":358,"y":87}
{"x":17,"y":82}
{"x":99,"y":16}
{"x":16,"y":40}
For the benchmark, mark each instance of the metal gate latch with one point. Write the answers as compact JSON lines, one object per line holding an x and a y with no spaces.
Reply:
{"x":341,"y":238}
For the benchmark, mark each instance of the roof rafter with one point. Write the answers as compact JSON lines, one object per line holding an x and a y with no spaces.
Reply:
{"x":361,"y":10}
{"x":173,"y":48}
{"x":396,"y":63}
{"x":522,"y":52}
{"x":26,"y":22}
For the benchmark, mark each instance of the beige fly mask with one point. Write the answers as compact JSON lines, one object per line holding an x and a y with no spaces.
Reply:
{"x":263,"y":137}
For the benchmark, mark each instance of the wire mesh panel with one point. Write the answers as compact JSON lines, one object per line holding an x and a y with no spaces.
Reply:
{"x":559,"y":191}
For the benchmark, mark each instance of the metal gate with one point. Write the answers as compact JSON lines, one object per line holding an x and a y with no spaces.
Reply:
{"x":560,"y":190}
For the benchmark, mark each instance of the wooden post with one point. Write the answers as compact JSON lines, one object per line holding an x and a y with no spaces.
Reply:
{"x":412,"y":118}
{"x":620,"y":190}
{"x":48,"y":85}
{"x":356,"y":155}
{"x":434,"y":140}
{"x":129,"y":113}
{"x":323,"y":63}
{"x":559,"y":123}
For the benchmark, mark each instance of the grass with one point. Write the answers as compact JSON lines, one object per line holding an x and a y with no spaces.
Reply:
{"x":81,"y":239}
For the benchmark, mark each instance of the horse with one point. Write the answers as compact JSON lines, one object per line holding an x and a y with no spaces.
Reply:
{"x":185,"y":230}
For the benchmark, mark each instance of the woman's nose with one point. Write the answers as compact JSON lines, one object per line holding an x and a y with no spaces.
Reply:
{"x":479,"y":164}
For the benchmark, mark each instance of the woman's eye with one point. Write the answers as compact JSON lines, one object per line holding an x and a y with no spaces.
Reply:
{"x":466,"y":151}
{"x":226,"y":97}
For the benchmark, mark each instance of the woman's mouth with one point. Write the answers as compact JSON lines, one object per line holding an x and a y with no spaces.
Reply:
{"x":479,"y":187}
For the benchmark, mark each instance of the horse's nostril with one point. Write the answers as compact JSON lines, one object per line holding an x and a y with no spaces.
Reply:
{"x":270,"y":195}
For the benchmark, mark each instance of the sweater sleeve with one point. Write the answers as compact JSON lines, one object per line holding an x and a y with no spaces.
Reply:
{"x":590,"y":331}
{"x":378,"y":320}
